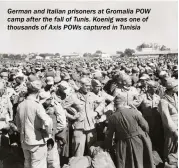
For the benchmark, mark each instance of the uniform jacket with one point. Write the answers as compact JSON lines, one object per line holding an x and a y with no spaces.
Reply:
{"x":132,"y":95}
{"x":86,"y":105}
{"x":31,"y":119}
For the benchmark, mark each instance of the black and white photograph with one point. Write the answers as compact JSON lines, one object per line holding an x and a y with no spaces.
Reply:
{"x":88,"y":84}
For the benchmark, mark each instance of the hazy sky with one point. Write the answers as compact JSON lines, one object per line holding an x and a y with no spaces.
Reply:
{"x":161,"y":28}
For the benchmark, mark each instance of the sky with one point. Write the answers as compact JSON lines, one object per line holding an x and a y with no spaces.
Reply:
{"x":161,"y":28}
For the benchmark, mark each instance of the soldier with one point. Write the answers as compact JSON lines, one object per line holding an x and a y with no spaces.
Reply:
{"x":168,"y":108}
{"x":142,"y":86}
{"x":149,"y":109}
{"x":84,"y":126}
{"x":128,"y":91}
{"x":34,"y":126}
{"x":105,"y":98}
{"x":133,"y":148}
{"x":135,"y":76}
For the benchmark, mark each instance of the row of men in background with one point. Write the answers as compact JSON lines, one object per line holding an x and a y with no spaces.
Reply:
{"x":69,"y":98}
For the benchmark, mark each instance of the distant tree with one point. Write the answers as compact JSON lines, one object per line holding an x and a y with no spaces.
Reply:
{"x":164,"y":48}
{"x":151,"y":45}
{"x":128,"y":52}
{"x":18,"y":56}
{"x":5,"y":56}
{"x":42,"y":55}
{"x":11,"y":56}
{"x":99,"y":52}
{"x":24,"y":56}
{"x":143,"y":45}
{"x":45,"y":54}
{"x":119,"y":52}
{"x":57,"y":54}
{"x":87,"y":55}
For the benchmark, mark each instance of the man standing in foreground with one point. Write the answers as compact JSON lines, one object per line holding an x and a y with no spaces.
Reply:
{"x":133,"y":147}
{"x":34,"y":126}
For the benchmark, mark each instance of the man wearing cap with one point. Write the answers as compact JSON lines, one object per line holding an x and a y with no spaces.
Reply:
{"x":72,"y":84}
{"x":4,"y":75}
{"x":103,"y":98}
{"x":127,"y":90}
{"x":133,"y":148}
{"x":38,"y":71}
{"x":97,"y":89}
{"x":34,"y":126}
{"x":168,"y":108}
{"x":149,"y":109}
{"x":142,"y":86}
{"x":58,"y":115}
{"x":84,"y":127}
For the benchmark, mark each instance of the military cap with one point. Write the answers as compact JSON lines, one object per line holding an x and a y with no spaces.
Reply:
{"x":85,"y":81}
{"x":95,"y":83}
{"x":97,"y":75}
{"x":163,"y":74}
{"x":135,"y":70}
{"x":145,"y":77}
{"x":152,"y":83}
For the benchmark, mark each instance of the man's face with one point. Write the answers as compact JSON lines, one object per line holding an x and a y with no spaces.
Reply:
{"x":126,"y":85}
{"x":143,"y":82}
{"x":151,"y":89}
{"x":86,"y":87}
{"x":96,"y":89}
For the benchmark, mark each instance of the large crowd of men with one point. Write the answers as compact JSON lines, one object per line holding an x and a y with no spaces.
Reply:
{"x":54,"y":111}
